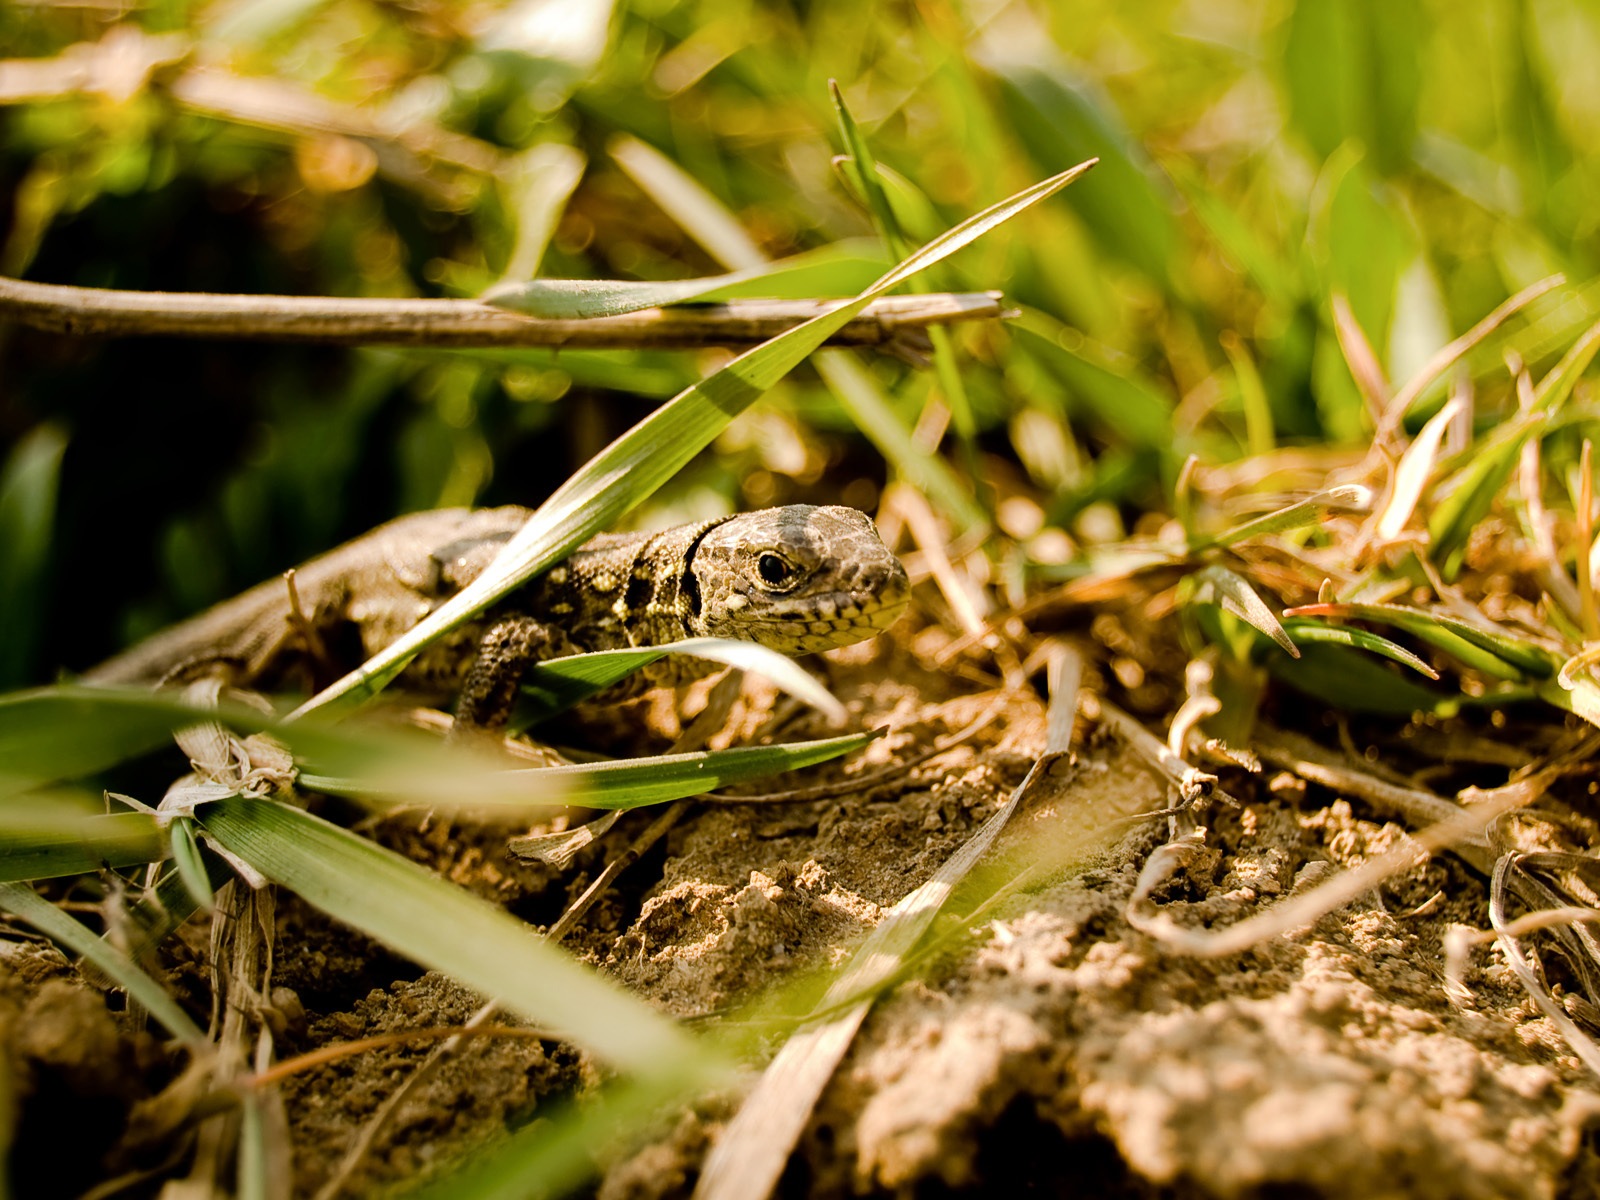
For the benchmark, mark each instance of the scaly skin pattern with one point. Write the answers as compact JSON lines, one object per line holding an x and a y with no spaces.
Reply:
{"x":794,"y":579}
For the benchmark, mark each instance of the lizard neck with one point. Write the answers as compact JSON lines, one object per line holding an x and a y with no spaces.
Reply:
{"x":626,"y":589}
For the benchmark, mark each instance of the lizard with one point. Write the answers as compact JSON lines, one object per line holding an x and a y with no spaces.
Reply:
{"x":796,"y":579}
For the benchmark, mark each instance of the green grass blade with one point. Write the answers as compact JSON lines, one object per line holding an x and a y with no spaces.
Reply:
{"x":1465,"y":497}
{"x":59,"y":733}
{"x":1121,"y":401}
{"x":649,"y":454}
{"x":625,"y":784}
{"x":48,"y":919}
{"x":863,"y":170}
{"x":1229,"y":592}
{"x":1260,"y":437}
{"x":558,"y":683}
{"x":443,"y":927}
{"x":1495,"y":653}
{"x":1063,"y":117}
{"x":1305,"y":633}
{"x":191,"y":867}
{"x":1556,"y":387}
{"x":55,"y":733}
{"x":28,"y":485}
{"x":1350,"y":70}
{"x":554,"y":1157}
{"x":1468,"y":495}
{"x":55,"y":842}
{"x":1355,"y":682}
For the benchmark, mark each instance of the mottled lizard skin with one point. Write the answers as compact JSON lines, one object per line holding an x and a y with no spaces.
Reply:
{"x":795,"y":579}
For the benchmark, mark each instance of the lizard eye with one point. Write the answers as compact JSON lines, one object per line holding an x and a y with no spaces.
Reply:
{"x":775,"y":570}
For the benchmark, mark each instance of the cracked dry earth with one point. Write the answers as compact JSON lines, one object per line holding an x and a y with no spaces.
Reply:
{"x":1041,"y":1047}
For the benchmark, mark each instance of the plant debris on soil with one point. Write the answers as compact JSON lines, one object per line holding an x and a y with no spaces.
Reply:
{"x":1040,"y":1042}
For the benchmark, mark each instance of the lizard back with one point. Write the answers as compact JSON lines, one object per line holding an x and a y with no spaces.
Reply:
{"x":796,"y":579}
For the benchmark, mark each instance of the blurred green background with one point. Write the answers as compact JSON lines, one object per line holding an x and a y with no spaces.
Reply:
{"x":1258,"y":157}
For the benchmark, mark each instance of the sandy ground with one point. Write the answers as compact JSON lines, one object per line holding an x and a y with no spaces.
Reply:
{"x":1041,"y":1046}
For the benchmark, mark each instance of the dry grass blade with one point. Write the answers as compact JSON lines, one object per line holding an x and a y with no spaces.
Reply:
{"x":1191,"y":784}
{"x":1308,"y":907}
{"x":1362,"y":360}
{"x":1395,"y":412}
{"x":1411,"y":476}
{"x":1584,"y":564}
{"x":967,"y":602}
{"x":1507,"y":931}
{"x":748,"y":1158}
{"x":1538,"y":521}
{"x":1418,"y":808}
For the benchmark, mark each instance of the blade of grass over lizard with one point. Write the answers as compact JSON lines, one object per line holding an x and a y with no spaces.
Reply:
{"x":704,"y":218}
{"x":448,"y":929}
{"x":62,"y":733}
{"x":630,"y":783}
{"x":649,"y":454}
{"x":22,"y":902}
{"x":829,"y":270}
{"x":559,"y":683}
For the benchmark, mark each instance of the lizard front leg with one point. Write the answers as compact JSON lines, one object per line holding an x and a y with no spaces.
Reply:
{"x":490,"y":690}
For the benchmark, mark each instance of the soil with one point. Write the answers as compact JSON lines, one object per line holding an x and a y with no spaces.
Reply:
{"x":1041,"y":1047}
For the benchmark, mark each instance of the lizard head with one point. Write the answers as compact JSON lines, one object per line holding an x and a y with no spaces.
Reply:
{"x":796,"y":579}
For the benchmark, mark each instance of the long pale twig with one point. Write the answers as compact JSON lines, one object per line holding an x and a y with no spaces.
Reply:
{"x":1306,"y":908}
{"x":458,"y":323}
{"x":1416,"y":806}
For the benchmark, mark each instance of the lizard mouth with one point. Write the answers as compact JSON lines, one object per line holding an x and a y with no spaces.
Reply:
{"x":830,"y":620}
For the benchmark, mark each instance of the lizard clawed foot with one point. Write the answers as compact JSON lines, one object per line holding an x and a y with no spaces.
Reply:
{"x":490,"y":691}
